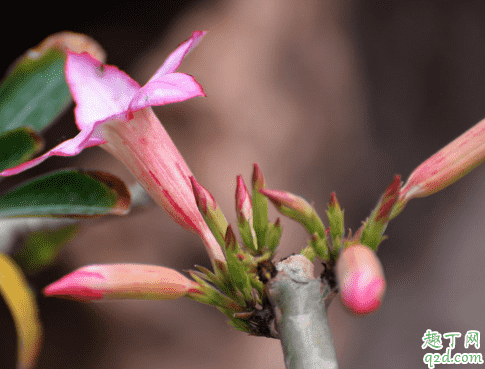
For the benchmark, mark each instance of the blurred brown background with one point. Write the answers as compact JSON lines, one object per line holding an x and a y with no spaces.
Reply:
{"x":325,"y":96}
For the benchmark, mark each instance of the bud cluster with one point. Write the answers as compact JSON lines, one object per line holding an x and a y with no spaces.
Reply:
{"x":236,"y":286}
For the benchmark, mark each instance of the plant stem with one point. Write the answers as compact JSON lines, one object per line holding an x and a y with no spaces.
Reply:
{"x":301,"y":320}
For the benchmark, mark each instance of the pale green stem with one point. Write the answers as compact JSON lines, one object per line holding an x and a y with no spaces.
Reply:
{"x":298,"y":300}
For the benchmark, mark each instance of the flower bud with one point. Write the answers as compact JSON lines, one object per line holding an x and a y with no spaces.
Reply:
{"x":296,"y":208}
{"x":361,"y":279}
{"x":448,"y":165}
{"x":260,"y":207}
{"x":244,"y":211}
{"x":121,"y":281}
{"x":211,"y":212}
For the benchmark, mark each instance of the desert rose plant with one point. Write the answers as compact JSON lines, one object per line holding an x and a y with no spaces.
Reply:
{"x":286,"y":300}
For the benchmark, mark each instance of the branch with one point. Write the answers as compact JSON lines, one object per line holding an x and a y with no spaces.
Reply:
{"x":301,"y":320}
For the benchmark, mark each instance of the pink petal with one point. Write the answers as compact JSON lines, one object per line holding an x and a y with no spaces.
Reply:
{"x":171,"y":88}
{"x":100,"y":91}
{"x":69,"y":147}
{"x":175,"y":59}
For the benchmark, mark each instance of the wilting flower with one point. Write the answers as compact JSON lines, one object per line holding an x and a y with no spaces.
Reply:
{"x":361,"y":279}
{"x":121,"y":281}
{"x":114,"y":111}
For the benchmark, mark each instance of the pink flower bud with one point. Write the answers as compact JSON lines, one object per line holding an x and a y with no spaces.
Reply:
{"x":361,"y":279}
{"x":448,"y":165}
{"x":244,"y":205}
{"x":205,"y":201}
{"x":121,"y":281}
{"x":258,"y":178}
{"x":289,"y":204}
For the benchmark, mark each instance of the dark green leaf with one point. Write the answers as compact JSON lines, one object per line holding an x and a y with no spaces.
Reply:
{"x":68,"y":193}
{"x":18,"y":146}
{"x":35,"y":92}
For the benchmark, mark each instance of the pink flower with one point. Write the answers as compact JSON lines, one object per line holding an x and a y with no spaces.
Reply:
{"x":103,"y":93}
{"x":121,"y":281}
{"x":114,"y":111}
{"x":361,"y":279}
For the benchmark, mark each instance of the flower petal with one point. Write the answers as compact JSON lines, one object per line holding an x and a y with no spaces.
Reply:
{"x":171,"y":88}
{"x":175,"y":59}
{"x":100,"y":91}
{"x":69,"y":147}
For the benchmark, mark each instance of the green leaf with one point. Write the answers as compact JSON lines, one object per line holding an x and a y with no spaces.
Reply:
{"x":18,"y":146}
{"x":23,"y":307}
{"x":40,"y":248}
{"x":35,"y":92}
{"x":67,"y":193}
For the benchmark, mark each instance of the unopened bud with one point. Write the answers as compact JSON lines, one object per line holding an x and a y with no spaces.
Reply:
{"x":448,"y":165}
{"x":211,"y":212}
{"x":121,"y":281}
{"x":335,"y":216}
{"x":298,"y":209}
{"x":361,"y":279}
{"x":260,"y":207}
{"x":244,"y":211}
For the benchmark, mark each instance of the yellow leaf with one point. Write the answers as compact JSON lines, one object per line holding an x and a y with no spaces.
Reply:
{"x":23,"y":307}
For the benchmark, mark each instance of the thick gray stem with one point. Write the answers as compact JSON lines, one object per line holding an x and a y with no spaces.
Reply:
{"x":301,"y":320}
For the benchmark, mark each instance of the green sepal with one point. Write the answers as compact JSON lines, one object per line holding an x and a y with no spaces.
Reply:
{"x":336,"y":222}
{"x":309,"y":252}
{"x":237,"y":323}
{"x":320,"y":246}
{"x":239,"y":274}
{"x":273,"y":235}
{"x":18,"y":146}
{"x":372,"y":231}
{"x":222,"y":281}
{"x":207,"y":294}
{"x":248,"y":236}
